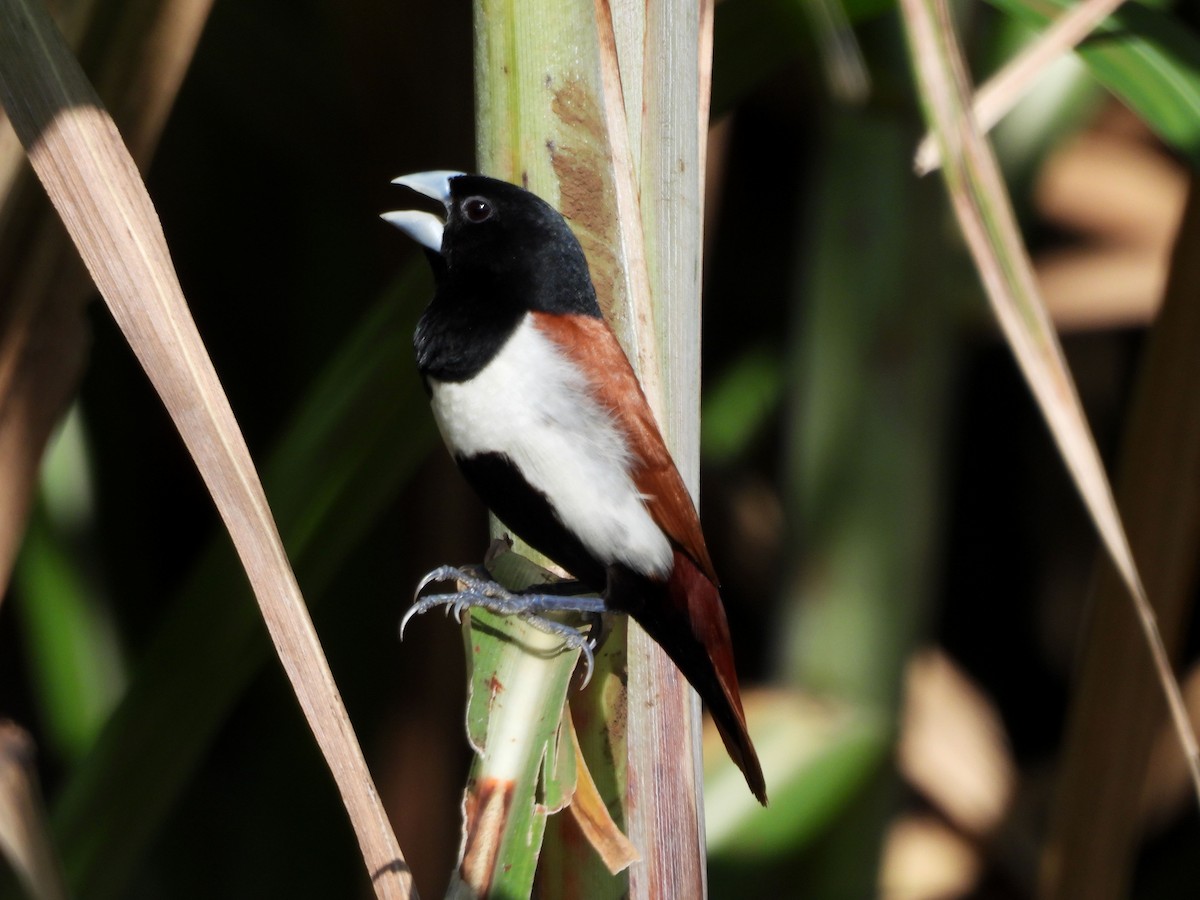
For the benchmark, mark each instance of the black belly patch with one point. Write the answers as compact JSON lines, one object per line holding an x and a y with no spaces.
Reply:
{"x":529,"y":514}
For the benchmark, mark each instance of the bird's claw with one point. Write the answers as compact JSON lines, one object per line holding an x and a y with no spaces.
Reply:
{"x":479,"y":591}
{"x":586,"y":649}
{"x":474,"y":582}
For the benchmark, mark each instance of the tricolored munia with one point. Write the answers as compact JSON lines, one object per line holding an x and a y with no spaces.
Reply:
{"x":546,"y":420}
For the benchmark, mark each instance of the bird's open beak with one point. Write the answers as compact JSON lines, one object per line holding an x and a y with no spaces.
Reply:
{"x":424,"y":228}
{"x":434,"y":185}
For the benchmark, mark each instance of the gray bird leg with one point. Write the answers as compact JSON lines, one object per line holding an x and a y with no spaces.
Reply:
{"x":480,"y":592}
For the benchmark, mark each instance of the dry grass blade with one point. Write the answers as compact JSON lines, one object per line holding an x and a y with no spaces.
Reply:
{"x":156,"y":40}
{"x":43,"y":348}
{"x":41,"y":311}
{"x":1095,"y":824}
{"x":24,"y":835}
{"x":841,"y":56}
{"x":86,"y":170}
{"x":73,"y":21}
{"x":1000,"y":93}
{"x":44,"y":336}
{"x":985,"y":215}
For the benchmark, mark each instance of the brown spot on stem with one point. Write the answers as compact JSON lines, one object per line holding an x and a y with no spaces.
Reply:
{"x":579,"y":155}
{"x":487,"y":809}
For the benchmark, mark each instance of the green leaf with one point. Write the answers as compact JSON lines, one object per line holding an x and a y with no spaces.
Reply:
{"x":519,"y":682}
{"x":74,"y":655}
{"x":1147,"y":58}
{"x":819,"y":754}
{"x":738,"y":407}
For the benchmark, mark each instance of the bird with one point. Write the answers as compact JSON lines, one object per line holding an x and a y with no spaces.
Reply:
{"x":546,"y":420}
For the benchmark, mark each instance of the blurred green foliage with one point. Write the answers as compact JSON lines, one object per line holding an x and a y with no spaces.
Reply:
{"x":846,"y":374}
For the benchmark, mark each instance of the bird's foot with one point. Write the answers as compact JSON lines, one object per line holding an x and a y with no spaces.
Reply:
{"x":478,"y":590}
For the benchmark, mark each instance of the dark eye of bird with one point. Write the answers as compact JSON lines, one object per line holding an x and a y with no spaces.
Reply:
{"x":476,"y":209}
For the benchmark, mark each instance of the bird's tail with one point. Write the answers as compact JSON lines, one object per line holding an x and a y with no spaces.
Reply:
{"x":691,"y":627}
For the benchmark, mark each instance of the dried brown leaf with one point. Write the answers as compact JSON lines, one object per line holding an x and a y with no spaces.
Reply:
{"x":590,"y":813}
{"x":984,"y":213}
{"x":44,"y":337}
{"x":24,"y":829}
{"x":1094,"y":824}
{"x":1004,"y":90}
{"x":86,"y":170}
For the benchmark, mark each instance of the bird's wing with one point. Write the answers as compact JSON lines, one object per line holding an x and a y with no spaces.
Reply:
{"x":592,"y":343}
{"x":688,"y":620}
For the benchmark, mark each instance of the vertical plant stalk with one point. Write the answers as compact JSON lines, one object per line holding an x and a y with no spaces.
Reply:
{"x":24,"y":837}
{"x":986,"y":218}
{"x":664,"y":711}
{"x":518,"y":690}
{"x":541,"y":123}
{"x":554,"y":84}
{"x":1117,"y":711}
{"x":83,"y":165}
